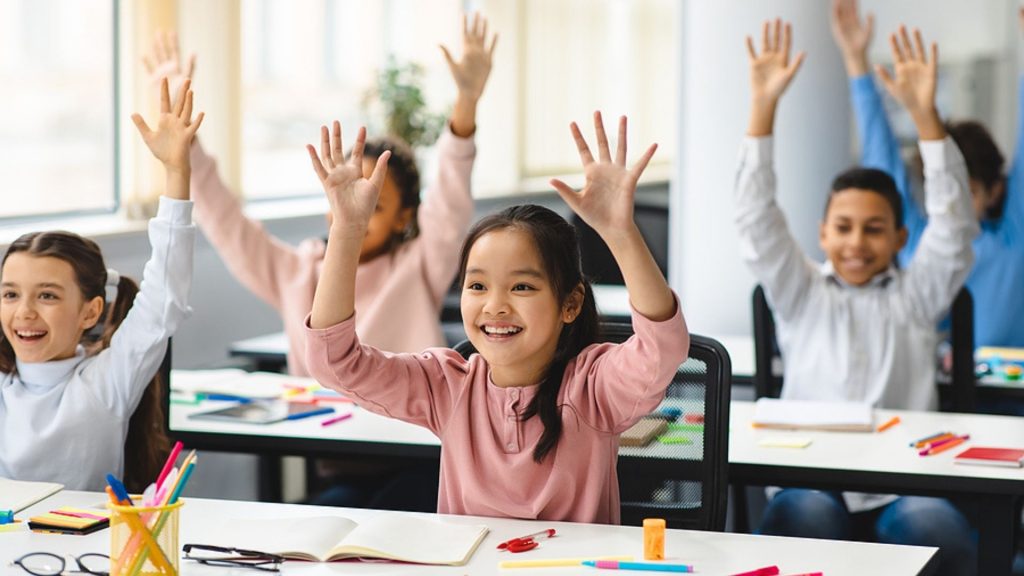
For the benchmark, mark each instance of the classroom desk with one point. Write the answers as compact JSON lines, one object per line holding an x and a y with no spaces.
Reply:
{"x":713,"y":554}
{"x":884,"y":463}
{"x":853,"y":461}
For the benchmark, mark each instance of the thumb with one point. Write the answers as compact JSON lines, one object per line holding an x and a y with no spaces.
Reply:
{"x":448,"y":58}
{"x":143,"y":128}
{"x":380,"y":170}
{"x":565,"y":191}
{"x":190,"y":68}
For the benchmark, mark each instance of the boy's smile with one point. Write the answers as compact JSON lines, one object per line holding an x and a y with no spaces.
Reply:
{"x":859,"y":235}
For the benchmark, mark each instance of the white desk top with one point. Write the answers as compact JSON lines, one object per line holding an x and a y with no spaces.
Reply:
{"x":712,"y":554}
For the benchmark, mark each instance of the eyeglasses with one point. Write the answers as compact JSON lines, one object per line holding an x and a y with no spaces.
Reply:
{"x":47,"y":564}
{"x":214,"y":556}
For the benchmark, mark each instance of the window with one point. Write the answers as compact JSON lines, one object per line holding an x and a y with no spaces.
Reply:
{"x":57,"y":139}
{"x":307,"y":62}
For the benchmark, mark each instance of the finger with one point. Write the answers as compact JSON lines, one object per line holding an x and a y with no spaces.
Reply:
{"x":476,"y":25}
{"x":191,"y":68}
{"x":565,"y":191}
{"x":483,"y":31}
{"x":919,"y":44}
{"x":179,"y":98}
{"x":337,"y":154}
{"x":603,"y":151}
{"x":776,"y":34}
{"x":908,"y":50}
{"x":897,"y":53}
{"x":359,"y":146}
{"x":886,"y":79}
{"x":165,"y":97}
{"x":325,"y":148}
{"x":194,"y":126}
{"x":172,"y":46}
{"x":750,"y":48}
{"x":581,"y":145}
{"x":380,"y":170}
{"x":935,"y":57}
{"x":494,"y":42}
{"x":318,"y":167}
{"x":160,"y":47}
{"x":787,"y":40}
{"x":869,"y":25}
{"x":620,"y":147}
{"x":795,"y":66}
{"x":465,"y":26}
{"x":764,"y":36}
{"x":641,"y":164}
{"x":448,"y":58}
{"x":147,"y":64}
{"x":186,"y":111}
{"x":144,"y":130}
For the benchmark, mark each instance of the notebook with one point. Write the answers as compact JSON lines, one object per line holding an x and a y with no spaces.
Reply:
{"x":17,"y":495}
{"x":389,"y":536}
{"x":1009,"y":457}
{"x":813,"y":415}
{"x":70,"y":520}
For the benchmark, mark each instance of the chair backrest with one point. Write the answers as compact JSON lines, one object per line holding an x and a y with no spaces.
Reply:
{"x":598,"y":263}
{"x":766,"y":348}
{"x":962,"y":393}
{"x":684,"y":479}
{"x":683,"y":476}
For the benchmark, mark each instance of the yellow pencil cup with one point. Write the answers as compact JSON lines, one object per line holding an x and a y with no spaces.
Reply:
{"x":144,"y":540}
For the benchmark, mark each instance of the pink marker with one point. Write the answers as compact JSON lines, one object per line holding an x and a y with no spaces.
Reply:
{"x":175,"y":451}
{"x":336,"y":419}
{"x":766,"y":571}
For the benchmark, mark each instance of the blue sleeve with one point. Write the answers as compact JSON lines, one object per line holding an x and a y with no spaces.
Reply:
{"x":880,"y":149}
{"x":1015,"y":181}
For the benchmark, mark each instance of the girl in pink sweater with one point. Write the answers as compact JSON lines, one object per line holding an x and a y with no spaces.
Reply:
{"x":529,"y":426}
{"x":409,"y":255}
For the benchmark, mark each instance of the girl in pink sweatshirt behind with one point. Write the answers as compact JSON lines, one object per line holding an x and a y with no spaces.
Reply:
{"x":529,"y":426}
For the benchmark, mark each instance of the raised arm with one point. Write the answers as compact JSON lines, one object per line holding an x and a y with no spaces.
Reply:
{"x":606,"y":204}
{"x":944,"y":256}
{"x":1015,"y":197}
{"x":470,"y":73}
{"x":353,"y":199}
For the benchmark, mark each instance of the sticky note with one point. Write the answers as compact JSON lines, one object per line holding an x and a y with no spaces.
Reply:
{"x":669,"y":439}
{"x":784,"y":442}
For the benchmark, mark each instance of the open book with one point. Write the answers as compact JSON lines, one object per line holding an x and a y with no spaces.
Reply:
{"x":18,"y":494}
{"x":390,"y":536}
{"x":810,"y":415}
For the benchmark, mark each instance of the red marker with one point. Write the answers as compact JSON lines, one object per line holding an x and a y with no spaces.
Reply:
{"x":766,"y":571}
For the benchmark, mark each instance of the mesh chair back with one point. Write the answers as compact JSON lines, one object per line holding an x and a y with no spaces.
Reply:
{"x":682,"y":475}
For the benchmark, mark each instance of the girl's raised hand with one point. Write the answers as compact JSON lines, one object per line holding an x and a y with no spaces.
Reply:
{"x":606,"y":200}
{"x":471,"y":71}
{"x":175,"y":128}
{"x":164,"y":61}
{"x":851,"y":34}
{"x":352,"y":197}
{"x":914,"y":73}
{"x":771,"y":71}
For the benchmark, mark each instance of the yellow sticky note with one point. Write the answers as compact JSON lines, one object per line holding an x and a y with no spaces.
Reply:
{"x":785,"y":442}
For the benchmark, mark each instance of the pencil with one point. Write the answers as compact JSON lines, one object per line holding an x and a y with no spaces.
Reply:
{"x":892,"y":422}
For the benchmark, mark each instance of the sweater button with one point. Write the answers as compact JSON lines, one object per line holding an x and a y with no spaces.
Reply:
{"x":511,"y":446}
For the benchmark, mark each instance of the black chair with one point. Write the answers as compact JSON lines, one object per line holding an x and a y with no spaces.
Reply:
{"x":959,"y":396}
{"x":598,"y":263}
{"x":683,"y":483}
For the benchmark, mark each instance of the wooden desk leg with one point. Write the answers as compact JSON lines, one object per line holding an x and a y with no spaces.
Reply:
{"x":999,"y":516}
{"x":270,"y":483}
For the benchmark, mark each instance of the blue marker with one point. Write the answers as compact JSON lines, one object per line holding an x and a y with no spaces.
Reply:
{"x":119,"y":490}
{"x":227,"y":397}
{"x":317,"y":412}
{"x":648,"y":566}
{"x":6,"y":517}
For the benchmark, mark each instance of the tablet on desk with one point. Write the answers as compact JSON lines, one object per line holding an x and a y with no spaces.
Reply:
{"x":263,"y":412}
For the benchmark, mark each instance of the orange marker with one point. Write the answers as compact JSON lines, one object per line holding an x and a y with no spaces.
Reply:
{"x":946,"y":446}
{"x":892,"y":422}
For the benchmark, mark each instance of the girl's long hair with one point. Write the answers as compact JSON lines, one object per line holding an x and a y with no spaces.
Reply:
{"x":147,"y":444}
{"x":558,"y":246}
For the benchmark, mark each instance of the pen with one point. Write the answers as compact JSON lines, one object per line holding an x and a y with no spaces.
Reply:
{"x":940,"y":441}
{"x":766,"y":571}
{"x":945,"y":446}
{"x":228,"y":397}
{"x":927,"y":439}
{"x":336,"y":419}
{"x":556,"y":562}
{"x":317,"y":412}
{"x":647,"y":566}
{"x":807,"y":574}
{"x":892,"y":422}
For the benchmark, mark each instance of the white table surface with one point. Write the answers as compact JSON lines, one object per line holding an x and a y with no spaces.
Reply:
{"x":712,"y":554}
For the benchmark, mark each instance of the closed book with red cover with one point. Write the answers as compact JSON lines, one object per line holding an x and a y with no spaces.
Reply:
{"x":1009,"y":457}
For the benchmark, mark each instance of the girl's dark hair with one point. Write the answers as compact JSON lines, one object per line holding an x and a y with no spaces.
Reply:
{"x":402,"y":169}
{"x":559,"y":249}
{"x":147,"y":444}
{"x":981,"y":153}
{"x":871,"y":179}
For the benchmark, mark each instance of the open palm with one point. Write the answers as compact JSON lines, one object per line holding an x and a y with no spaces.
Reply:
{"x":472,"y":70}
{"x":914,"y":73}
{"x":172,"y":137}
{"x":351,"y":196}
{"x":606,"y":200}
{"x":771,"y":71}
{"x":852,"y":35}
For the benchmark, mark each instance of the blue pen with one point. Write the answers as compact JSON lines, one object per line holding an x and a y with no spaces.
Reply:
{"x":648,"y":566}
{"x":228,"y":397}
{"x":317,"y":412}
{"x":119,"y":490}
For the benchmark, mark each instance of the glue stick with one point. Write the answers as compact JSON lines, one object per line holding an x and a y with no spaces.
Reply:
{"x":654,"y":539}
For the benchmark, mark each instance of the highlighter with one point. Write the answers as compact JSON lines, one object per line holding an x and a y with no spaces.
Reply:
{"x":654,"y":539}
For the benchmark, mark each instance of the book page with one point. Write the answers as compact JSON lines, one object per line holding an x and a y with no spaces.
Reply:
{"x":775,"y":413}
{"x":308,"y":538}
{"x":17,"y":495}
{"x":411,"y":538}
